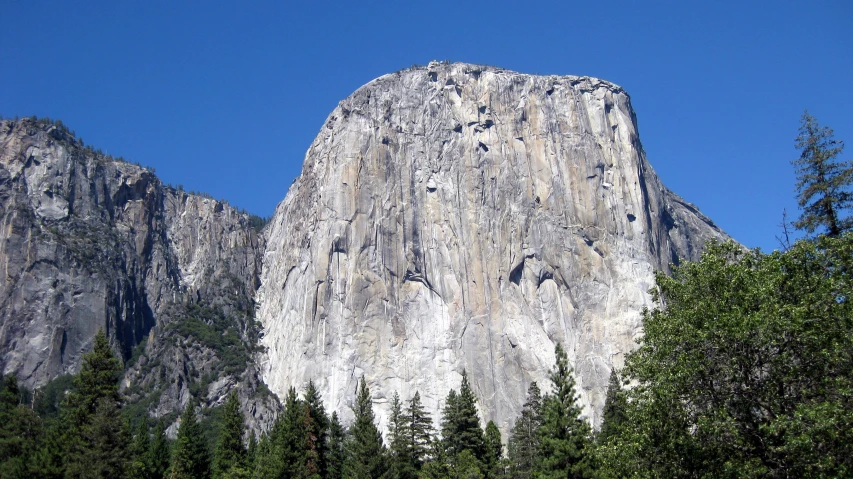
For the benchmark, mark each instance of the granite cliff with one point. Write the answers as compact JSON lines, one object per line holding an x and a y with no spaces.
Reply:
{"x":89,"y":242}
{"x":459,"y":217}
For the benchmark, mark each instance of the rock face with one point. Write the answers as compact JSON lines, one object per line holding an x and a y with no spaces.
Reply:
{"x":458,"y":217}
{"x":89,"y":242}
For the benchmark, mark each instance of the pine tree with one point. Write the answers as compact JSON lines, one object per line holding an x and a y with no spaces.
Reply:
{"x":615,"y":407}
{"x":20,"y":431}
{"x":365,"y":453}
{"x":401,"y":461}
{"x":460,"y":429}
{"x":229,"y":457}
{"x":290,"y":439}
{"x":420,"y":432}
{"x":335,"y":453}
{"x":159,"y":455}
{"x":823,"y":182}
{"x":252,"y":451}
{"x":564,"y":435}
{"x":523,"y":444}
{"x":96,"y":439}
{"x":140,"y":467}
{"x":317,"y":426}
{"x":494,"y":450}
{"x":191,"y":459}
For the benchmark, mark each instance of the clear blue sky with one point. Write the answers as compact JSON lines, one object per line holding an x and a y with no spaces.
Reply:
{"x":226,"y":98}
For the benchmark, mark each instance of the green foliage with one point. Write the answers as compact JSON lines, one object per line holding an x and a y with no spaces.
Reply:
{"x":48,"y":399}
{"x":523,"y":444}
{"x":365,"y":453}
{"x":615,"y":406}
{"x":336,"y":453}
{"x":745,"y":369}
{"x":159,"y":453}
{"x":191,"y":458}
{"x":420,"y":432}
{"x":213,"y":329}
{"x":823,"y":182}
{"x":400,"y":460}
{"x":316,"y":426}
{"x":494,"y":450}
{"x":20,"y":430}
{"x":95,"y":442}
{"x":460,"y":428}
{"x":229,"y":457}
{"x":563,"y":434}
{"x":140,"y":459}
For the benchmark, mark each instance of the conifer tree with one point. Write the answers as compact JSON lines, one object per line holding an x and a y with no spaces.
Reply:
{"x":191,"y":459}
{"x":96,"y":439}
{"x":401,"y":461}
{"x":615,"y":406}
{"x":229,"y":457}
{"x":268,"y":462}
{"x":335,"y":453}
{"x":494,"y":450}
{"x":140,"y":467}
{"x":20,"y":431}
{"x":460,"y":428}
{"x":523,"y":444}
{"x":823,"y":181}
{"x":290,"y":439}
{"x":365,"y":453}
{"x":251,"y":451}
{"x":564,"y":434}
{"x":159,"y":455}
{"x":317,"y":429}
{"x":420,"y":431}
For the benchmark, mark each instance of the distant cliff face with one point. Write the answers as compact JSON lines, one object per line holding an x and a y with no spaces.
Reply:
{"x":87,"y":242}
{"x":458,"y":217}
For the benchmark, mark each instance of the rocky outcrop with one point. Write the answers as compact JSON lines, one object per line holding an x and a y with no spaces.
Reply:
{"x":89,"y":242}
{"x":458,"y":217}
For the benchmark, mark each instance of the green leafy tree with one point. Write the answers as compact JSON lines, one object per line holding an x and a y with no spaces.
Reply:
{"x":229,"y":457}
{"x":97,"y":436}
{"x":420,"y":432}
{"x":615,"y":406}
{"x":523,"y":444}
{"x":159,"y":453}
{"x":823,"y":181}
{"x":563,"y":434}
{"x":191,"y":458}
{"x":365,"y":453}
{"x":745,"y":369}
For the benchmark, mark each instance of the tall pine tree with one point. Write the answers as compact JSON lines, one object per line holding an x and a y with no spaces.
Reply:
{"x":564,"y":435}
{"x":317,"y":429}
{"x":460,"y":429}
{"x":191,"y":459}
{"x":335,"y":452}
{"x":523,"y":444}
{"x":400,"y":460}
{"x":140,"y":458}
{"x":365,"y":453}
{"x":494,"y":450}
{"x":420,"y":432}
{"x":96,"y":439}
{"x":615,"y":409}
{"x":229,"y":457}
{"x":159,"y":453}
{"x":823,"y":181}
